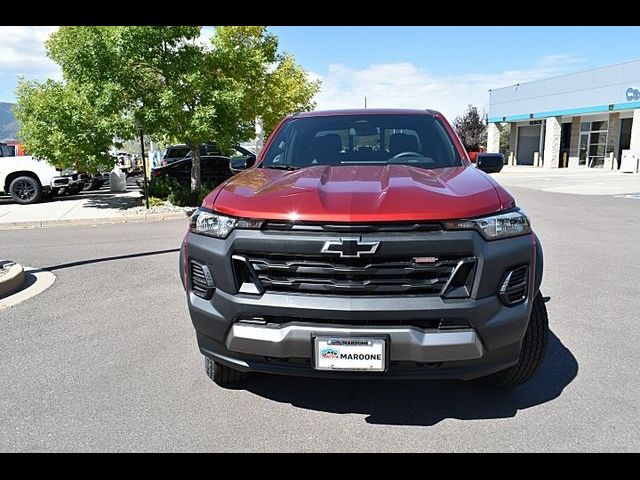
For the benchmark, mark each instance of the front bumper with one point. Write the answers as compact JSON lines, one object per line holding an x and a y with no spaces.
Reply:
{"x":490,"y":342}
{"x":409,"y":343}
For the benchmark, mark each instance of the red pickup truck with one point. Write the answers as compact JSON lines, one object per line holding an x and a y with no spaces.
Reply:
{"x":364,"y":244}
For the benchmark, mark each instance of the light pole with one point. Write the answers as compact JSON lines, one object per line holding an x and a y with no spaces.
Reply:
{"x":144,"y":163}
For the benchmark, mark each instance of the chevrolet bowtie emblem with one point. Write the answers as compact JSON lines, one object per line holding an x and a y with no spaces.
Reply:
{"x":350,"y":248}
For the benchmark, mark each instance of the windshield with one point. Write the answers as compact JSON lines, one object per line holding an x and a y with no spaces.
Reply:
{"x":177,"y":152}
{"x":388,"y":139}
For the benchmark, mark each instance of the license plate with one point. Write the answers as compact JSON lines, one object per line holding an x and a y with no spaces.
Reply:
{"x":350,"y":353}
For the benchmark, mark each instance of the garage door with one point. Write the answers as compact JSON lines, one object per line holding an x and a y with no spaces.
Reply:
{"x":528,"y":143}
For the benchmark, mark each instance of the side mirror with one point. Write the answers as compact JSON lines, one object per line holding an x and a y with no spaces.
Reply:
{"x":238,"y":164}
{"x":490,"y":162}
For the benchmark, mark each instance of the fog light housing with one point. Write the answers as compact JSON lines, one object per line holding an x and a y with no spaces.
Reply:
{"x":202,"y":284}
{"x":514,"y":286}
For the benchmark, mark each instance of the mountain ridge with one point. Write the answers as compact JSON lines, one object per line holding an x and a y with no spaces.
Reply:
{"x":8,"y":122}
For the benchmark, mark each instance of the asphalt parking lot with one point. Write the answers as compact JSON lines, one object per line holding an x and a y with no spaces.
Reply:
{"x":106,"y":359}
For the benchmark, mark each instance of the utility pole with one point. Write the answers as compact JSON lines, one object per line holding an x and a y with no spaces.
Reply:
{"x":144,"y":163}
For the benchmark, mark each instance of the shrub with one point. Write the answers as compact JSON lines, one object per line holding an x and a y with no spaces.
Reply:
{"x":160,"y":187}
{"x":156,"y":202}
{"x":168,"y":188}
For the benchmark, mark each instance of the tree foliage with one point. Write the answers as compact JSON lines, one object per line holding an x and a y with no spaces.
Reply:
{"x":180,"y":88}
{"x":471,"y":127}
{"x":57,"y":123}
{"x":288,"y":90}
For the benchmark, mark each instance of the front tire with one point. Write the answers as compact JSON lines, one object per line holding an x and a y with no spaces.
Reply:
{"x":532,"y":352}
{"x":222,"y":374}
{"x":25,"y":190}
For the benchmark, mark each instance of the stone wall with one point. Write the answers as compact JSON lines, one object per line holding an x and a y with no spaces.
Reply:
{"x":513,"y":138}
{"x":553,"y":131}
{"x":574,"y":147}
{"x":493,"y":138}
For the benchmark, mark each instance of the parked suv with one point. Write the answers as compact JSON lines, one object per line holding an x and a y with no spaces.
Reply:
{"x":364,"y":244}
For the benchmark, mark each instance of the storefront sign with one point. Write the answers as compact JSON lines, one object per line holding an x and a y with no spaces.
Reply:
{"x":633,"y":94}
{"x":535,"y":122}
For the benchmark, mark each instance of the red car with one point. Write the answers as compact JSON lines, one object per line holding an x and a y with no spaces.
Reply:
{"x":367,"y":233}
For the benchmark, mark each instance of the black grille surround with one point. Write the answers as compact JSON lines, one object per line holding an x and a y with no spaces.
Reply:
{"x":370,"y":275}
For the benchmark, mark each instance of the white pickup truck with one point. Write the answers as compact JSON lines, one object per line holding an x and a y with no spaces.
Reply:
{"x":27,"y":179}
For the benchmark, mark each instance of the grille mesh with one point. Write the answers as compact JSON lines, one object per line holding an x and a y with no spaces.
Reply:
{"x":363,"y":276}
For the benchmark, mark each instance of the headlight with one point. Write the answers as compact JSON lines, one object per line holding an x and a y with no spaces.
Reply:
{"x":215,"y":225}
{"x":494,"y":227}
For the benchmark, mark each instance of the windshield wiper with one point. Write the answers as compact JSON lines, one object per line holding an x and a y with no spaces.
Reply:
{"x":281,"y":167}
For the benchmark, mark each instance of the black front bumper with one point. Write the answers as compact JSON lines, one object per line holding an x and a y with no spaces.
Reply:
{"x":497,"y":329}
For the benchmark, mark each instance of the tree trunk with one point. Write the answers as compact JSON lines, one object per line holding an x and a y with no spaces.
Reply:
{"x":195,"y":168}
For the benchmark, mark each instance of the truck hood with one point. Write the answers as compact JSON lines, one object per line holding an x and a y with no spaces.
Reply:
{"x":359,"y":194}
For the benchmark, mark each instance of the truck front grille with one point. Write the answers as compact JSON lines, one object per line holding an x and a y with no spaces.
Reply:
{"x":359,"y":276}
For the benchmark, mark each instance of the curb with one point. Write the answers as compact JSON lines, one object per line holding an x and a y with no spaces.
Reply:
{"x":12,"y":280}
{"x":93,"y":221}
{"x":36,"y":282}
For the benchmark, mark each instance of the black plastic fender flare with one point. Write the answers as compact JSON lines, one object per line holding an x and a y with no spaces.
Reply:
{"x":539,"y":263}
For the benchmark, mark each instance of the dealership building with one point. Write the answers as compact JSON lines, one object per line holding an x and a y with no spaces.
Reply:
{"x":583,"y":120}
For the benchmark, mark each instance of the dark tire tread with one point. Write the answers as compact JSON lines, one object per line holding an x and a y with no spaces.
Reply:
{"x":222,"y":374}
{"x":36,"y":185}
{"x":534,"y":346}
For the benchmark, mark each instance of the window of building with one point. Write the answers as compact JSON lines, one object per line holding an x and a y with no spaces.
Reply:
{"x":593,"y":143}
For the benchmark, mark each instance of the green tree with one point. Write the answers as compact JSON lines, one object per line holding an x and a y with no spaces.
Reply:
{"x":57,"y":123}
{"x":180,"y":89}
{"x":471,"y":127}
{"x":288,"y":90}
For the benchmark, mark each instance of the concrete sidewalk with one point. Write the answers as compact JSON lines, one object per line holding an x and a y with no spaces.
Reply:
{"x":88,"y":207}
{"x":563,"y":180}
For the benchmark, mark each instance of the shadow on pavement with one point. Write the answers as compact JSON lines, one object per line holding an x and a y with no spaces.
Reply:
{"x":29,"y":280}
{"x":112,"y":201}
{"x":102,"y":198}
{"x":108,"y":259}
{"x":422,"y":403}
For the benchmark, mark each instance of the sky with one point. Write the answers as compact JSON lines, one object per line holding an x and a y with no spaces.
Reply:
{"x":443,"y":68}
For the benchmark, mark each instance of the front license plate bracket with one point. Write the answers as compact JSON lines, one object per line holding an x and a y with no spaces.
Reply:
{"x":350,"y":353}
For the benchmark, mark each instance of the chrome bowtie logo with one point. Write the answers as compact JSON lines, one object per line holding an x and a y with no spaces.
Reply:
{"x":350,"y":248}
